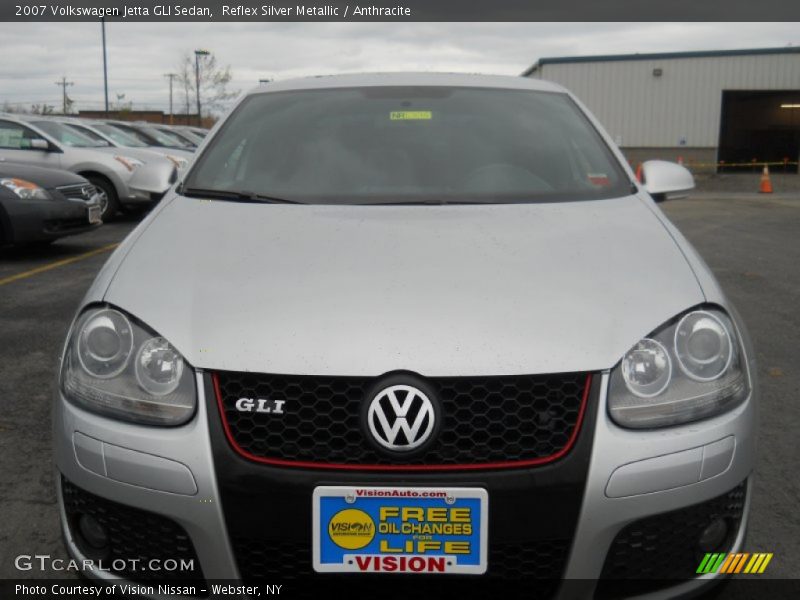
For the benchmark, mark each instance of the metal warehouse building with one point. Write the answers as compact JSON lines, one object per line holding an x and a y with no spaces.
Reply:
{"x":728,"y":107}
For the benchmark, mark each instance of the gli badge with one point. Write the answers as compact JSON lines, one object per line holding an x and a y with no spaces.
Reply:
{"x":260,"y":405}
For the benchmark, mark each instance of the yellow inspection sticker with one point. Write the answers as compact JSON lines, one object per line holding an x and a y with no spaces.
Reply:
{"x":410,"y":115}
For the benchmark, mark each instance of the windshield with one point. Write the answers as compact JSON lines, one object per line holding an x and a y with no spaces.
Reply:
{"x":164,"y":138}
{"x":68,"y":136}
{"x":99,"y":139}
{"x":185,"y":136}
{"x":121,"y":137}
{"x":410,"y":145}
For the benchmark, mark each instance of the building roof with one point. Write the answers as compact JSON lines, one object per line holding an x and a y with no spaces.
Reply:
{"x":658,"y":56}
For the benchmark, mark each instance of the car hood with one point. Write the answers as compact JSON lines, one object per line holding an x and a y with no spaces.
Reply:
{"x":171,"y":151}
{"x":438,"y":290}
{"x":41,"y":176}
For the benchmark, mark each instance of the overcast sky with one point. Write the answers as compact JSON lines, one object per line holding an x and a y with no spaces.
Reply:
{"x":35,"y":55}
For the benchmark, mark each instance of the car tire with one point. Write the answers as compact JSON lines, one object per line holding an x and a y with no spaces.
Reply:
{"x":110,"y":202}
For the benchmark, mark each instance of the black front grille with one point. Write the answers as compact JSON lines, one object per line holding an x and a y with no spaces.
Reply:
{"x":133,"y":534}
{"x":659,"y":551}
{"x":524,"y":570}
{"x":79,"y":191}
{"x":532,"y":517}
{"x":486,"y":420}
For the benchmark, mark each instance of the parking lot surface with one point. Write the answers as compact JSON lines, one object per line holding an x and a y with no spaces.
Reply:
{"x":752,"y":243}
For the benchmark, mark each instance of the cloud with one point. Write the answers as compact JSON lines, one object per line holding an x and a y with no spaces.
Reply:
{"x":140,"y":53}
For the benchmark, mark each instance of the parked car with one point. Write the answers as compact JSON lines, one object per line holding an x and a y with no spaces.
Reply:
{"x":111,"y":136}
{"x":156,"y":171}
{"x":423,"y":323}
{"x":186,"y":135}
{"x":198,"y":131}
{"x":39,"y":205}
{"x":121,"y":179}
{"x":145,"y":132}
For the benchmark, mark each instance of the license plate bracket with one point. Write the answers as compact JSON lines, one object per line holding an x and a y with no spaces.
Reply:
{"x":94,"y":214}
{"x":408,"y":530}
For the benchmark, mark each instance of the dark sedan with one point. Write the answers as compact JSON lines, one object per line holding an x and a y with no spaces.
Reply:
{"x":39,"y":205}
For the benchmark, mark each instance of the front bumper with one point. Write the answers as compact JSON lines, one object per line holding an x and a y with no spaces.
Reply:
{"x":149,"y":183}
{"x":228,"y":496}
{"x":44,"y":220}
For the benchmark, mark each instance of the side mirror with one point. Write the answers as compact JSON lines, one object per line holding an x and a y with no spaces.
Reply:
{"x":662,"y":180}
{"x":40,"y":144}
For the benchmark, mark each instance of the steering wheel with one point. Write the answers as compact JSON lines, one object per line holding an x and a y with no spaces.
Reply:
{"x":499,"y":177}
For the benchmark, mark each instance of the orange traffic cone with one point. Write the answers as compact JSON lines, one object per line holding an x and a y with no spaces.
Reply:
{"x":766,"y":184}
{"x":639,"y":173}
{"x":680,"y":160}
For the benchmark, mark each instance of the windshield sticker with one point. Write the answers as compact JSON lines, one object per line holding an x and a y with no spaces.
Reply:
{"x":410,"y":115}
{"x":599,"y":179}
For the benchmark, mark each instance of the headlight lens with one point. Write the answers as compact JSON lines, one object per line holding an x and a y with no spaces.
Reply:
{"x":703,"y":346}
{"x":24,"y":189}
{"x":647,"y":368}
{"x":128,"y":162}
{"x":158,"y":367}
{"x":105,"y":344}
{"x":118,"y":367}
{"x":647,"y":389}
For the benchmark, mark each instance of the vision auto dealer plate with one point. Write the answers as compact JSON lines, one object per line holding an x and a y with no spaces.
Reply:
{"x":400,"y":530}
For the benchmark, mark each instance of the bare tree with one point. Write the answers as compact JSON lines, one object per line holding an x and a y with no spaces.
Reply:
{"x":121,"y":104}
{"x":12,"y":108}
{"x":185,"y":77}
{"x":42,"y":109}
{"x":214,"y":81}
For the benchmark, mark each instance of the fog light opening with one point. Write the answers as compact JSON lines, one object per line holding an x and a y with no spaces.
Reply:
{"x":714,"y":537}
{"x":92,"y":533}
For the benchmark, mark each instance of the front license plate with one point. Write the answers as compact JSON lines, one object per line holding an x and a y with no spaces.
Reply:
{"x":400,"y":530}
{"x":94,"y":215}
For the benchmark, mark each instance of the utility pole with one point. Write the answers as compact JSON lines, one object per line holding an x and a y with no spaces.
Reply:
{"x":171,"y":76}
{"x":197,"y":55}
{"x":105,"y":63}
{"x":64,"y":84}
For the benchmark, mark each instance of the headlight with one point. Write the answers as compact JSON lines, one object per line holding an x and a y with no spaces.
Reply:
{"x":180,"y":163}
{"x":119,"y":367}
{"x":25,"y":189}
{"x":703,"y":346}
{"x":129,"y":163}
{"x":689,"y":369}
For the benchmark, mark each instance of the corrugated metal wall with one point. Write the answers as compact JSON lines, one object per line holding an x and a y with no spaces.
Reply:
{"x":640,"y":110}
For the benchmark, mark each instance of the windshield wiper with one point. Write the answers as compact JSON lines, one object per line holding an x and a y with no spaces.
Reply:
{"x":426,"y":202}
{"x":235,"y":196}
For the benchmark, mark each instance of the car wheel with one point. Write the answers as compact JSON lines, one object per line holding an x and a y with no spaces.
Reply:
{"x":109,"y":203}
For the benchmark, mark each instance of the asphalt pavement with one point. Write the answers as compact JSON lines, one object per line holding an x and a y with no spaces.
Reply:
{"x":751,"y":242}
{"x":40,"y":288}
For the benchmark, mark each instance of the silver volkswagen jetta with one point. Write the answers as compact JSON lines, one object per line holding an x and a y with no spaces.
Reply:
{"x":393,"y":328}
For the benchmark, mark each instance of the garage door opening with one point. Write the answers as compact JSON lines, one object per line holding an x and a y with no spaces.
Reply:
{"x":759,"y":127}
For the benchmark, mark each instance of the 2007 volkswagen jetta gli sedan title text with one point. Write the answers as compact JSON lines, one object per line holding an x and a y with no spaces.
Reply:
{"x":415,"y":324}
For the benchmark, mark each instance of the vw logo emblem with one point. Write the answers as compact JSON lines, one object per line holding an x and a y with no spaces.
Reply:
{"x":401,"y":418}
